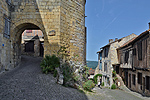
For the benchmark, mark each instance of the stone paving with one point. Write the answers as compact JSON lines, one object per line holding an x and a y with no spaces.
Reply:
{"x":26,"y":82}
{"x":109,"y":94}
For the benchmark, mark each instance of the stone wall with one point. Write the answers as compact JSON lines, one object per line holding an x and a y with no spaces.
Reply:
{"x":138,"y":87}
{"x":4,"y":42}
{"x":61,"y":21}
{"x":72,"y":23}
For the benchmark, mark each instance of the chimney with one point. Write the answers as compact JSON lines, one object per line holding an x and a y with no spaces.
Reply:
{"x":149,"y":25}
{"x":111,"y":40}
{"x":116,"y":39}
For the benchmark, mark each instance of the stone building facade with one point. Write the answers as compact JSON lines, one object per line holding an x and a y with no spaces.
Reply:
{"x":61,"y":21}
{"x":108,"y":57}
{"x":134,"y":67}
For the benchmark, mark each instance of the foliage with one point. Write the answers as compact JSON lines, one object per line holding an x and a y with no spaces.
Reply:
{"x":49,"y":63}
{"x":95,"y":78}
{"x":55,"y":73}
{"x":88,"y":85}
{"x":91,"y":79}
{"x":63,"y":53}
{"x":102,"y":84}
{"x":85,"y":72}
{"x":113,"y":86}
{"x":115,"y":78}
{"x":114,"y":73}
{"x":76,"y":78}
{"x":67,"y":73}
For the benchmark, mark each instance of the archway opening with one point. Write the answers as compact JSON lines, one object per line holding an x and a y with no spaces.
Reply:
{"x":32,"y":43}
{"x":28,"y":40}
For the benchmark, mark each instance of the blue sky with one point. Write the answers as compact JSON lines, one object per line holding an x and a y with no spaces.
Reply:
{"x":110,"y":19}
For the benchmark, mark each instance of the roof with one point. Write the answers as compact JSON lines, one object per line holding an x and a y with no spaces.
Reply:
{"x":127,"y":43}
{"x":134,"y":39}
{"x":116,"y":41}
{"x":100,"y":51}
{"x":91,"y":71}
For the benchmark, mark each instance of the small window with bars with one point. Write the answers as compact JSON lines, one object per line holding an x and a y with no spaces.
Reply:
{"x":7,"y":28}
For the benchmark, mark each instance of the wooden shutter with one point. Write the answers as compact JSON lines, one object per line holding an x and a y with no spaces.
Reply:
{"x":139,"y":50}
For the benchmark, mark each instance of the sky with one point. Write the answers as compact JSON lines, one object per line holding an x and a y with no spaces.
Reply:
{"x":110,"y":19}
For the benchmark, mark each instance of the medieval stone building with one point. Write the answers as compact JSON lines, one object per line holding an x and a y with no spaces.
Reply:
{"x":134,"y":63}
{"x":61,"y":21}
{"x":107,"y":57}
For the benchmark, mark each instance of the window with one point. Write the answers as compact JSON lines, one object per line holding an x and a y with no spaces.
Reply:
{"x":139,"y":45}
{"x":106,"y":52}
{"x":7,"y":28}
{"x":126,"y":56}
{"x":133,"y":79}
{"x":100,"y":66}
{"x":140,"y":78}
{"x":134,"y":51}
{"x":148,"y":82}
{"x":105,"y":66}
{"x":108,"y":81}
{"x":100,"y":56}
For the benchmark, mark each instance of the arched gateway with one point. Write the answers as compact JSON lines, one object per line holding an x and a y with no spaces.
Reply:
{"x":61,"y":21}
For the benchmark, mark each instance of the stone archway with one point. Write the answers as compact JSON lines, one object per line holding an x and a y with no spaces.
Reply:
{"x":16,"y":39}
{"x":62,"y":23}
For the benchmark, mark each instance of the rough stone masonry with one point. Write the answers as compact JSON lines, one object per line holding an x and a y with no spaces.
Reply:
{"x":61,"y":21}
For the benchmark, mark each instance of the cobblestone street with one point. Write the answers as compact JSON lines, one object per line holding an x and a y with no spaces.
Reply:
{"x":27,"y":82}
{"x":109,"y":94}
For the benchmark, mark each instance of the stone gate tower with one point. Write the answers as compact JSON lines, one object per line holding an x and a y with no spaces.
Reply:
{"x":61,"y":21}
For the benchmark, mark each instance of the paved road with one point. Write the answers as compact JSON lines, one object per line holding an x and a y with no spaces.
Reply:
{"x":27,"y":82}
{"x":109,"y":94}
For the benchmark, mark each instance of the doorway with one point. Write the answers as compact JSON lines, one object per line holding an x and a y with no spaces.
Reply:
{"x":32,"y":43}
{"x":144,"y":84}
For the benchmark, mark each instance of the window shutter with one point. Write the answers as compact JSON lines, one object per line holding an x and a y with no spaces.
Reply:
{"x":7,"y":28}
{"x":140,"y":50}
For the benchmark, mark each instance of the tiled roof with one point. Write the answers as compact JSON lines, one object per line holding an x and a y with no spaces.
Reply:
{"x":128,"y":42}
{"x":134,"y":39}
{"x":91,"y":71}
{"x":116,"y":41}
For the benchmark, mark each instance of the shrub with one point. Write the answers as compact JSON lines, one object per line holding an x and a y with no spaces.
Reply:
{"x":95,"y":78}
{"x":55,"y":73}
{"x":88,"y":85}
{"x":86,"y":72}
{"x":115,"y":79}
{"x":102,"y":84}
{"x":91,"y":79}
{"x":114,"y":73}
{"x":67,"y":73}
{"x":113,"y":86}
{"x":76,"y":78}
{"x":49,"y":63}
